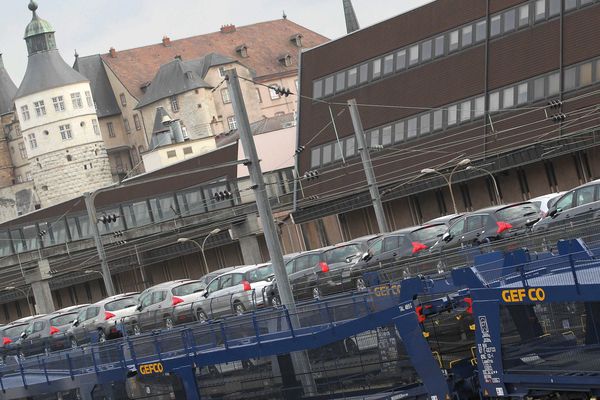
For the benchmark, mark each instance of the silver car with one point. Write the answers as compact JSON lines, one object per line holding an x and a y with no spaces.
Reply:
{"x":235,"y":292}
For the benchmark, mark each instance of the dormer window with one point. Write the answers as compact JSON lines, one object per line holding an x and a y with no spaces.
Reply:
{"x":297,"y":39}
{"x":286,"y":60}
{"x":242,"y":50}
{"x":144,"y":86}
{"x":189,"y":75}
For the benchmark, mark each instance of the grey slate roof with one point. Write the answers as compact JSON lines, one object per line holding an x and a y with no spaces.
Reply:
{"x":179,"y":76}
{"x":47,"y":70}
{"x":7,"y":90}
{"x":93,"y":69}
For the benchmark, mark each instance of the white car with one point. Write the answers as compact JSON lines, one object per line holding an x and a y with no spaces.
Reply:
{"x":545,"y":202}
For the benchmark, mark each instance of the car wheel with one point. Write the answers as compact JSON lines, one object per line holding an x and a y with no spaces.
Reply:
{"x":361,"y":285}
{"x":275,"y":301}
{"x":238,"y":308}
{"x":169,"y":322}
{"x":201,"y":316}
{"x":213,"y":371}
{"x":351,"y":346}
{"x":316,"y":293}
{"x":136,"y":330}
{"x":101,"y":336}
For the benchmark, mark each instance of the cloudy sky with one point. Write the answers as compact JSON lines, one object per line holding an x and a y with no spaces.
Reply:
{"x":93,"y":26}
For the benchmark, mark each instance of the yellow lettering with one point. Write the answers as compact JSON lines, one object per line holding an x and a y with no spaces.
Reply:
{"x":148,"y":369}
{"x":518,"y":295}
{"x":506,"y":296}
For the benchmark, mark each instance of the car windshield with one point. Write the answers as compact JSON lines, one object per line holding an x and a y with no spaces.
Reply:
{"x":188,"y":288}
{"x":517,"y":211}
{"x":259,"y":274}
{"x":120,"y":304}
{"x":429,"y":233}
{"x":63,"y":319}
{"x":339,"y":254}
{"x":14,"y":331}
{"x":537,"y":203}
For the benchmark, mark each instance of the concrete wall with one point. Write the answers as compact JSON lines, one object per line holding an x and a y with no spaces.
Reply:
{"x":160,"y":157}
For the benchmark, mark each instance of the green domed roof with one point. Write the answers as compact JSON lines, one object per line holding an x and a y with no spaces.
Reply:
{"x":37,"y":26}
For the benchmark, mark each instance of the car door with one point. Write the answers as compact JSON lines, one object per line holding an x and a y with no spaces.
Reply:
{"x":560,"y":214}
{"x":87,"y":325}
{"x":303,"y":275}
{"x":585,"y":204}
{"x":220,"y":298}
{"x":145,"y":313}
{"x":473,"y":230}
{"x":77,"y":328}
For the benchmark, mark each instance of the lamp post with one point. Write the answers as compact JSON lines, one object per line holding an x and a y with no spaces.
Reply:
{"x":91,"y":271}
{"x":448,"y":180}
{"x":26,"y":294}
{"x":201,"y":246}
{"x":472,"y":168}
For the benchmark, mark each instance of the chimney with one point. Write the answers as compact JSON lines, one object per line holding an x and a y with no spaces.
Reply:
{"x":228,"y":28}
{"x":113,"y":52}
{"x":166,"y":41}
{"x":178,"y":57}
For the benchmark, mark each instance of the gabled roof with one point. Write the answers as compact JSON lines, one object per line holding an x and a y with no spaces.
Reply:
{"x":265,"y":41}
{"x":203,"y":64}
{"x":47,"y":70}
{"x":92,"y":68}
{"x":174,"y":78}
{"x":8,"y":89}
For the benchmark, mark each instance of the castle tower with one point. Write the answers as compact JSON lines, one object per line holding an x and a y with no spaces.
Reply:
{"x":7,"y":94}
{"x":58,"y":121}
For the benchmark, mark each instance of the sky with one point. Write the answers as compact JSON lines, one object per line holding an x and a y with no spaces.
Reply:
{"x":94,"y":26}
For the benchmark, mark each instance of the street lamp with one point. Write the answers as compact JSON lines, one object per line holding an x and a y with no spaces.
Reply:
{"x":472,"y":168}
{"x":26,"y":294}
{"x":91,"y":271}
{"x":448,"y":180}
{"x":201,"y":246}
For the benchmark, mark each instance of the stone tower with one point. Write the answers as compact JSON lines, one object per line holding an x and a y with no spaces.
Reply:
{"x":7,"y":94}
{"x":58,"y":121}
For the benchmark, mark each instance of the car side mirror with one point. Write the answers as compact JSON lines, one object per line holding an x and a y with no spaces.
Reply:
{"x":23,"y":335}
{"x":205,"y":294}
{"x":446,"y":237}
{"x":366,"y":256}
{"x":75,"y":322}
{"x":139,"y":307}
{"x":554,"y":212}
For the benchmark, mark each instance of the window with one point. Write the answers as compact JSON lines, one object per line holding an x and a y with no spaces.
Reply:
{"x":413,"y":55}
{"x":509,"y":20}
{"x":96,"y":126}
{"x":363,"y":73}
{"x":76,"y":100}
{"x":328,"y":88}
{"x":494,"y":101}
{"x":479,"y":109}
{"x":495,"y":26}
{"x":136,"y":122}
{"x":585,"y":74}
{"x":88,"y":98}
{"x":127,"y":126}
{"x":553,"y":84}
{"x":225,"y":96}
{"x":386,"y":135}
{"x":315,"y":157}
{"x":508,"y":97}
{"x":376,"y":69}
{"x":22,"y":150}
{"x":465,"y":111}
{"x":539,"y":89}
{"x":373,"y":138}
{"x":426,"y":50}
{"x":317,"y":90}
{"x":522,"y":93}
{"x":222,"y":72}
{"x":174,"y":104}
{"x":438,"y":119}
{"x":59,"y":103}
{"x":570,"y":5}
{"x":259,"y":97}
{"x":453,"y":43}
{"x":111,"y":129}
{"x":467,"y":36}
{"x":65,"y":132}
{"x":399,"y":132}
{"x":524,"y":15}
{"x":340,"y":81}
{"x":327,"y":153}
{"x":585,"y":195}
{"x":123,"y":99}
{"x":25,"y":113}
{"x":452,"y":114}
{"x":411,"y":128}
{"x":565,"y":202}
{"x":570,"y":78}
{"x":388,"y":64}
{"x":480,"y":31}
{"x":400,"y":60}
{"x":171,"y":153}
{"x":40,"y":108}
{"x":553,"y":8}
{"x":352,"y":75}
{"x":440,"y":46}
{"x":540,"y":10}
{"x":32,"y":141}
{"x":350,"y":147}
{"x":232,"y":123}
{"x":425,"y":125}
{"x":29,"y":178}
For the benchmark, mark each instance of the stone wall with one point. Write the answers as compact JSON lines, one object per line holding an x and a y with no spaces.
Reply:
{"x":17,"y":200}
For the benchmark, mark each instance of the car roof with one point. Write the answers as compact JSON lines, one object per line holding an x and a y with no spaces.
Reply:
{"x":496,"y":208}
{"x":71,"y":308}
{"x":168,"y":284}
{"x":548,"y":196}
{"x":115,"y":297}
{"x":443,"y":219}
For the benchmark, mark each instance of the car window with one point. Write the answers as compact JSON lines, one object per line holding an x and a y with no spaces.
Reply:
{"x":314,"y":260}
{"x":38,"y":326}
{"x":301,"y":263}
{"x":429,"y":233}
{"x":390,"y":243}
{"x":226,"y":281}
{"x":289,"y":267}
{"x":474,"y":222}
{"x":259,"y":274}
{"x":458,"y":228}
{"x":565,"y":202}
{"x":81,"y":315}
{"x":63,"y":319}
{"x":517,"y":211}
{"x":14,"y":331}
{"x":237,"y":279}
{"x":120,"y":304}
{"x":159,"y":296}
{"x":376,"y":248}
{"x":92,"y":312}
{"x":339,"y":254}
{"x":584,"y":195}
{"x":146,"y":299}
{"x":214,"y":285}
{"x":188,"y":288}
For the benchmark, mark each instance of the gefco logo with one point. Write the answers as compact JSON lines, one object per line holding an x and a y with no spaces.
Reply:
{"x":385,"y":290}
{"x":518,"y":295}
{"x":151,"y":369}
